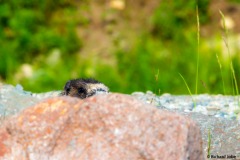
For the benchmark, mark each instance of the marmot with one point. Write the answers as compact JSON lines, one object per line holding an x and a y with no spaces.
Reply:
{"x":83,"y":88}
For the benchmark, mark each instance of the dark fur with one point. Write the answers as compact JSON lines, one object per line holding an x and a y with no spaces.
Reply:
{"x":76,"y":85}
{"x":87,"y":80}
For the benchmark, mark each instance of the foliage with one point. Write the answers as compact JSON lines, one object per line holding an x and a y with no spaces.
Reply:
{"x":172,"y":16}
{"x":27,"y":31}
{"x":43,"y":35}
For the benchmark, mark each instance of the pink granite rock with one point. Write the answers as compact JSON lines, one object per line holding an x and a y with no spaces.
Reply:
{"x":104,"y":127}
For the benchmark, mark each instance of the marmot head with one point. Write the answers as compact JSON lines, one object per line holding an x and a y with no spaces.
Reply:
{"x":83,"y":88}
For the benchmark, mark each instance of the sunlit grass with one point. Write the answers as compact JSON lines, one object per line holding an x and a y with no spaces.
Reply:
{"x":235,"y":80}
{"x":157,"y":80}
{"x":198,"y":41}
{"x":232,"y":71}
{"x":225,"y":39}
{"x":189,"y":91}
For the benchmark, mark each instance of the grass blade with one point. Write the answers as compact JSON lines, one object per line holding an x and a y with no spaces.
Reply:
{"x":198,"y":41}
{"x":235,"y":80}
{"x":194,"y":102}
{"x":209,"y":143}
{"x":225,"y":39}
{"x":220,"y":66}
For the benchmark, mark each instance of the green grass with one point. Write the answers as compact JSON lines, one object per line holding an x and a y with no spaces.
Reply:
{"x":235,"y":86}
{"x":194,"y":101}
{"x":226,"y":42}
{"x":209,"y":143}
{"x":232,"y":71}
{"x":157,"y":81}
{"x":235,"y":80}
{"x":198,"y":43}
{"x":220,"y":66}
{"x":197,"y":67}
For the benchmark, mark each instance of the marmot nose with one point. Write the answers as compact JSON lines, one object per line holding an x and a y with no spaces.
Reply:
{"x":101,"y":91}
{"x":97,"y":91}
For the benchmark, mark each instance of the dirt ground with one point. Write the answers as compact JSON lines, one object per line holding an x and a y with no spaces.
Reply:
{"x":117,"y":22}
{"x":231,"y":13}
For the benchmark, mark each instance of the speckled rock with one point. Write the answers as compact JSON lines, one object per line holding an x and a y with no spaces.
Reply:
{"x":114,"y":126}
{"x":225,"y":134}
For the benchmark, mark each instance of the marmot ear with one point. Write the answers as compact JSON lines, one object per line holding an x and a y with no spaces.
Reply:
{"x":67,"y":85}
{"x":67,"y":88}
{"x":88,"y":80}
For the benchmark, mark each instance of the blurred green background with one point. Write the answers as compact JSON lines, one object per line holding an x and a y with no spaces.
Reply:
{"x":128,"y":45}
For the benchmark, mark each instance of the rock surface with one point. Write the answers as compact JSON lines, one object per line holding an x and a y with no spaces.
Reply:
{"x":225,"y":137}
{"x":224,"y":128}
{"x":15,"y":99}
{"x":113,"y":126}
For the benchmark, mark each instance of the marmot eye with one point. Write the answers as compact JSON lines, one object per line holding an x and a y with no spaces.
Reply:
{"x":68,"y":90}
{"x":81,"y":90}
